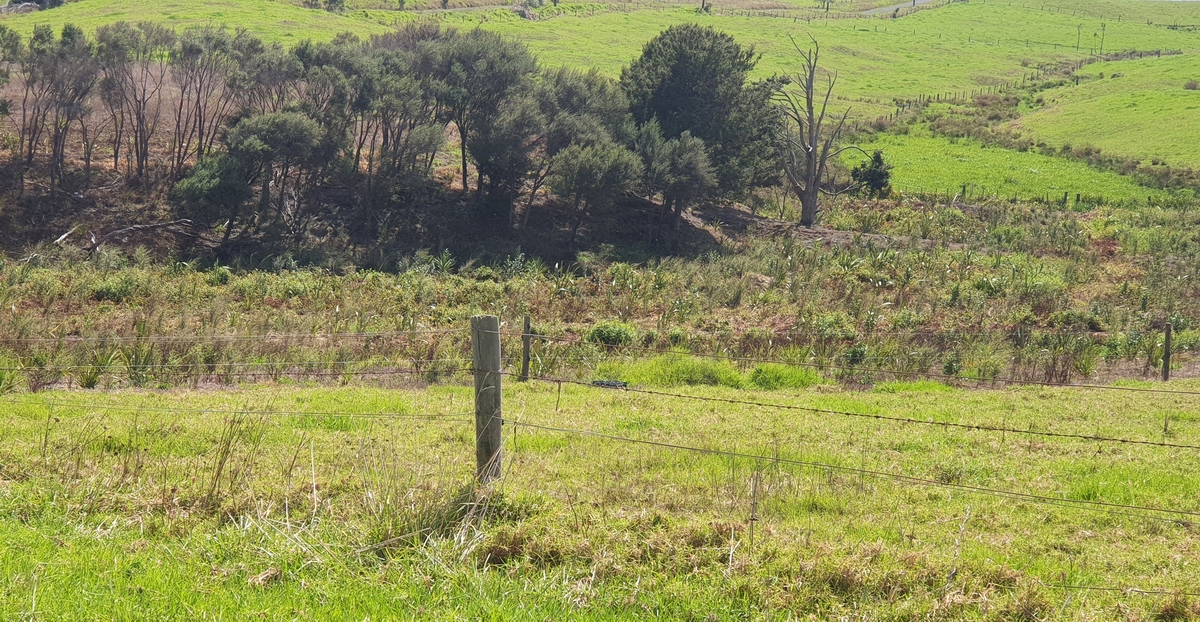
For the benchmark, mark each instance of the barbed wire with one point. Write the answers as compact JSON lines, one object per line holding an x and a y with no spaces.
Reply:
{"x":845,"y":413}
{"x":895,"y":372}
{"x":218,"y":411}
{"x":235,"y":338}
{"x":1136,"y":511}
{"x":219,"y":365}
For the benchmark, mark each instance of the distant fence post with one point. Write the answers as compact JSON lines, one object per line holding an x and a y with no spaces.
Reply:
{"x":485,"y":350}
{"x":1167,"y":354}
{"x":526,"y":342}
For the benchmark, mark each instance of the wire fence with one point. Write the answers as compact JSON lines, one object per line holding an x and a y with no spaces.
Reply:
{"x":862,"y":369}
{"x":876,"y":417}
{"x":1182,"y":516}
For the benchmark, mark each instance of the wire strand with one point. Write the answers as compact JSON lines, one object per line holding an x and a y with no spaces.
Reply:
{"x":844,"y":413}
{"x":895,"y":372}
{"x":1101,"y":506}
{"x":218,"y":411}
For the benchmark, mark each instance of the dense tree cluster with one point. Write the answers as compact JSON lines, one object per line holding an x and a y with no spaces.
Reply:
{"x":250,"y":140}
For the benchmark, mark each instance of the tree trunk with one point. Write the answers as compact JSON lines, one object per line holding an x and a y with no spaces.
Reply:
{"x":264,"y":198}
{"x":808,"y":205}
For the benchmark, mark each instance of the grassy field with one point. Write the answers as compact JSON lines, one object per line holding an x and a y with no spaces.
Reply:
{"x":1137,"y":108}
{"x":933,"y":164}
{"x":119,"y":513}
{"x":269,"y":19}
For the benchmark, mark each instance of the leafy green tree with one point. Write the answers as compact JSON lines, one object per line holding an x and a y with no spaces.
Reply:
{"x":593,"y":176}
{"x":476,"y":72}
{"x":692,"y":78}
{"x":580,"y":107}
{"x":216,"y":190}
{"x":502,"y":146}
{"x":873,"y":176}
{"x":678,"y":169}
{"x":279,"y":148}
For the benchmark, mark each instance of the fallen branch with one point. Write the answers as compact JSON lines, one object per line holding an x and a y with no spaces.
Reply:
{"x":96,"y":242}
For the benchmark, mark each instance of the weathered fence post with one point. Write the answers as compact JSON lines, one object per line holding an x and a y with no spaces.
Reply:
{"x":526,"y":342}
{"x":485,"y":350}
{"x":1167,"y":354}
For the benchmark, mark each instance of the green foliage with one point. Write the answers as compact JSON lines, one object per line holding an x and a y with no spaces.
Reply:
{"x":692,"y":79}
{"x":215,"y":190}
{"x":612,"y":334}
{"x":774,"y":376}
{"x":873,"y":176}
{"x":672,"y":371}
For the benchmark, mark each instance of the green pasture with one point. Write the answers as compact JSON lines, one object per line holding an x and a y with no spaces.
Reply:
{"x":1139,"y":109}
{"x":116,"y":513}
{"x":937,"y":165}
{"x":270,"y":19}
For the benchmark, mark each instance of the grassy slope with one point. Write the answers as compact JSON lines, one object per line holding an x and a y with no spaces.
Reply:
{"x":270,"y":19}
{"x":1146,"y":113}
{"x":593,"y":529}
{"x":935,"y":164}
{"x":960,"y":47}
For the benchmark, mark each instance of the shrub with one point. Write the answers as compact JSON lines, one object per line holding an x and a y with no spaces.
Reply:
{"x":773,"y":376}
{"x":612,"y":334}
{"x":673,"y":371}
{"x":218,"y":275}
{"x":115,"y":288}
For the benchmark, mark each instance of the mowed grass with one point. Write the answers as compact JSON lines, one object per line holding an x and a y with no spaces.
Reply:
{"x":106,"y":511}
{"x":1139,"y":109}
{"x":939,"y":165}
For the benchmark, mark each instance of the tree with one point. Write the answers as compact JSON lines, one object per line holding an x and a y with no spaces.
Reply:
{"x":133,"y":62}
{"x":679,"y":169}
{"x":806,"y":141}
{"x":278,"y":148}
{"x":593,"y":176}
{"x":215,"y":190}
{"x":873,"y":177}
{"x":204,"y":66}
{"x":502,"y":146}
{"x":692,"y":79}
{"x":476,"y":72}
{"x":580,"y":107}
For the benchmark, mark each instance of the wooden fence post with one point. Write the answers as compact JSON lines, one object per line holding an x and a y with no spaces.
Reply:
{"x":485,"y":350}
{"x":1167,"y":355}
{"x":526,"y":342}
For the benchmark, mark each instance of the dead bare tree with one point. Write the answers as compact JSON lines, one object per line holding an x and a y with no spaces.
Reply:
{"x":135,"y":68}
{"x":807,"y":143}
{"x":203,"y":66}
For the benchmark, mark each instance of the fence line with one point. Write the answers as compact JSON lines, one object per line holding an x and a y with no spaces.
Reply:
{"x":923,"y":374}
{"x":280,"y":364}
{"x":239,"y":411}
{"x":226,"y":337}
{"x":843,"y":413}
{"x":1135,"y":511}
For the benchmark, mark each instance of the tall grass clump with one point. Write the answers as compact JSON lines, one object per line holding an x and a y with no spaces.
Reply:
{"x":673,"y":370}
{"x":612,"y":334}
{"x":774,"y":376}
